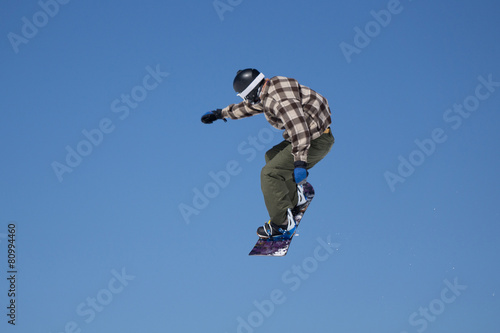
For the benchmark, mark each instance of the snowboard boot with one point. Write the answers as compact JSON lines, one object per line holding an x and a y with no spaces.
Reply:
{"x":302,"y":200}
{"x":302,"y":195}
{"x":273,"y":231}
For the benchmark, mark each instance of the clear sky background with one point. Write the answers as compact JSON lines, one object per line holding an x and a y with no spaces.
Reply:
{"x":133,"y":216}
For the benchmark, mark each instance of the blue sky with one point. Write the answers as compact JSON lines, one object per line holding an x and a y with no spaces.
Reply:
{"x":103,"y":150}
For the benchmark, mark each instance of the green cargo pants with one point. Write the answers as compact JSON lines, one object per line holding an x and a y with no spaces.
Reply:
{"x":277,"y":183}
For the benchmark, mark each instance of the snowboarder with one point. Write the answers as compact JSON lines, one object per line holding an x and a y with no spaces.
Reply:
{"x":305,"y":117}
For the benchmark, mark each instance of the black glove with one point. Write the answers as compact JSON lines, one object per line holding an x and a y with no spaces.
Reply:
{"x":212,"y":116}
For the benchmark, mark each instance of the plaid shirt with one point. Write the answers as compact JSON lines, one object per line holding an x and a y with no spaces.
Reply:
{"x":300,"y":111}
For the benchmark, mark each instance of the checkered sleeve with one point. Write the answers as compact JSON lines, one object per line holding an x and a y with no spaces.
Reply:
{"x":240,"y":110}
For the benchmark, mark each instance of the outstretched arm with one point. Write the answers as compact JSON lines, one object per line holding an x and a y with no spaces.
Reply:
{"x":241,"y":110}
{"x":233,"y":111}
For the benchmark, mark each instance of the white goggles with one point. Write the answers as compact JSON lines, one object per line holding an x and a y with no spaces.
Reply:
{"x":251,"y":86}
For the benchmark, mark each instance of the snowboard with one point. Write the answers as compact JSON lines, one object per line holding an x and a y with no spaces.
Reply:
{"x":279,"y":247}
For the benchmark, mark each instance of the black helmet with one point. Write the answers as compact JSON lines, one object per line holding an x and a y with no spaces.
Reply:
{"x":248,"y":83}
